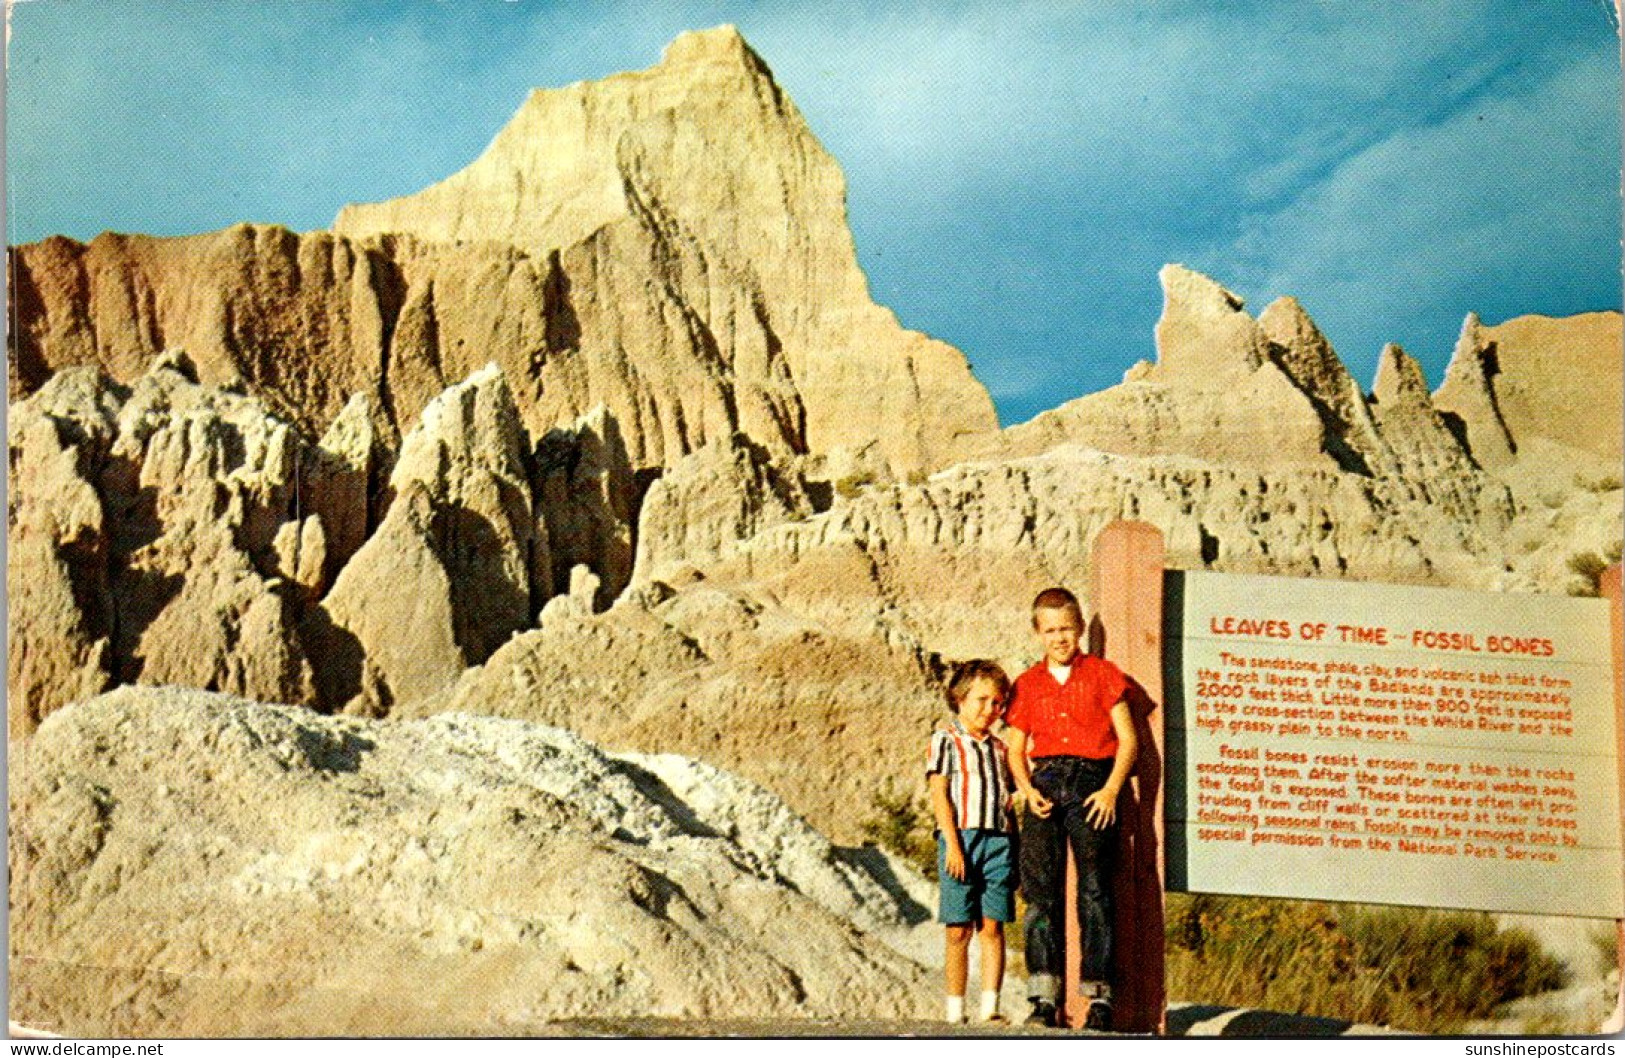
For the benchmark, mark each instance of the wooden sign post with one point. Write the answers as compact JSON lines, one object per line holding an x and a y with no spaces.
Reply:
{"x":1125,"y":595}
{"x":1610,"y":589}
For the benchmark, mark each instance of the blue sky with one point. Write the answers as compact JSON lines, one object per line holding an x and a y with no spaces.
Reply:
{"x":1017,"y":172}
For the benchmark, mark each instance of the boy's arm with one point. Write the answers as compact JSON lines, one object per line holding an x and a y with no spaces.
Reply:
{"x":943,"y":810}
{"x":1101,"y":806}
{"x":1022,"y":773}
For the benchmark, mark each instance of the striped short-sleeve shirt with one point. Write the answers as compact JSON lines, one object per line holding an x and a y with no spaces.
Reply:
{"x":978,"y":774}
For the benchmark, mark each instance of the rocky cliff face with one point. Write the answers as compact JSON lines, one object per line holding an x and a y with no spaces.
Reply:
{"x":450,"y":876}
{"x":670,"y":244}
{"x":706,"y":167}
{"x":1527,"y":396}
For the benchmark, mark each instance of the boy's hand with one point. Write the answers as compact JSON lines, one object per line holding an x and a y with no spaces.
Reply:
{"x":1037,"y":803}
{"x":1100,"y":808}
{"x":956,"y":863}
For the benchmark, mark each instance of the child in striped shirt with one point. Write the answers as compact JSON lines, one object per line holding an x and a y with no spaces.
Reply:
{"x":970,"y":783}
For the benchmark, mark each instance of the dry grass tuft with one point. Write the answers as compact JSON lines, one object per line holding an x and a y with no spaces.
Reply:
{"x":1423,"y":971}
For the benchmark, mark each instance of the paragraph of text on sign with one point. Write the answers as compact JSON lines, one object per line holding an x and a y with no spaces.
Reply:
{"x":1421,"y":734}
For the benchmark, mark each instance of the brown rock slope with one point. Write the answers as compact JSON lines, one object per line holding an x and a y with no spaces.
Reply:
{"x":670,"y":244}
{"x":450,"y":876}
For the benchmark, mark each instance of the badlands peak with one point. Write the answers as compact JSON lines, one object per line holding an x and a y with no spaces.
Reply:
{"x":701,"y":169}
{"x":557,"y":171}
{"x":718,"y":46}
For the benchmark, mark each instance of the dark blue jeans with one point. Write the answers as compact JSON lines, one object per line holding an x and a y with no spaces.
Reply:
{"x":1066,"y":781}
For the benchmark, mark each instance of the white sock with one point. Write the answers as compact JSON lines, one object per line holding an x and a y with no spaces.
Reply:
{"x":956,"y":1009}
{"x":990,"y":1004}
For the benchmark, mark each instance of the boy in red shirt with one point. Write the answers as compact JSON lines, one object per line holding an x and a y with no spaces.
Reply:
{"x":1068,"y":714}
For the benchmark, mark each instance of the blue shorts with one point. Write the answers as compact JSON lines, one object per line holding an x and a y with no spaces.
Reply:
{"x":988,"y":890}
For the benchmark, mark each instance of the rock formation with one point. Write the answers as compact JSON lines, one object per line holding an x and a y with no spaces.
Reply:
{"x":447,"y":577}
{"x":724,"y":493}
{"x":670,"y":244}
{"x":1526,"y":392}
{"x":450,"y":876}
{"x":726,"y":674}
{"x":478,"y":526}
{"x":59,"y":608}
{"x":702,"y":161}
{"x":159,"y":523}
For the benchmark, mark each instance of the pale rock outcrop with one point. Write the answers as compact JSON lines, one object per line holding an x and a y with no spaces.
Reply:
{"x":1428,"y":461}
{"x":1300,"y":349}
{"x":197,"y":483}
{"x":302,"y":319}
{"x":588,"y":494}
{"x":1214,"y":393}
{"x":1468,"y":392}
{"x":1205,"y":336}
{"x":1539,"y":403}
{"x":446,"y":578}
{"x":726,"y":492}
{"x":824,"y":636}
{"x":1548,"y":383}
{"x":450,"y":876}
{"x":337,"y":485}
{"x":1527,"y":392}
{"x":962,"y":555}
{"x":1273,"y":396}
{"x":153,"y":540}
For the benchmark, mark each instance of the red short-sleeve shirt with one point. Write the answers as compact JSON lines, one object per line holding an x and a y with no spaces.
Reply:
{"x":1071,"y":719}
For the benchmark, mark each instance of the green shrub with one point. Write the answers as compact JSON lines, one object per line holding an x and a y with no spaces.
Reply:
{"x":1588,"y":566}
{"x":897,"y":823}
{"x":1605,"y":483}
{"x":1605,"y":943}
{"x":1425,"y":971}
{"x":853,"y":484}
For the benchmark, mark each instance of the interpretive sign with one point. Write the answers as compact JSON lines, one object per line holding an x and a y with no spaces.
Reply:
{"x":1386,"y":744}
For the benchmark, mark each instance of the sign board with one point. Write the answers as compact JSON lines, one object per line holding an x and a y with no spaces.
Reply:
{"x":1334,"y":740}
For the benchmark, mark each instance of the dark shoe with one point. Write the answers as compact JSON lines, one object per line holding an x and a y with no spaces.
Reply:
{"x":1043,"y":1015}
{"x":1099,"y":1016}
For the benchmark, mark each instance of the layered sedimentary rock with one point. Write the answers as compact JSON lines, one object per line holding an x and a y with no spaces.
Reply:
{"x":589,"y":495}
{"x":724,"y":493}
{"x":1214,"y":392}
{"x":670,"y":244}
{"x":704,"y":162}
{"x":1271,"y":396}
{"x":57,"y":536}
{"x":450,"y":876}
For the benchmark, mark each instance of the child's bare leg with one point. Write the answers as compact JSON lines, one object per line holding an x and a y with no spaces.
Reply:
{"x":992,"y":935}
{"x":957,"y":965}
{"x":992,"y":941}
